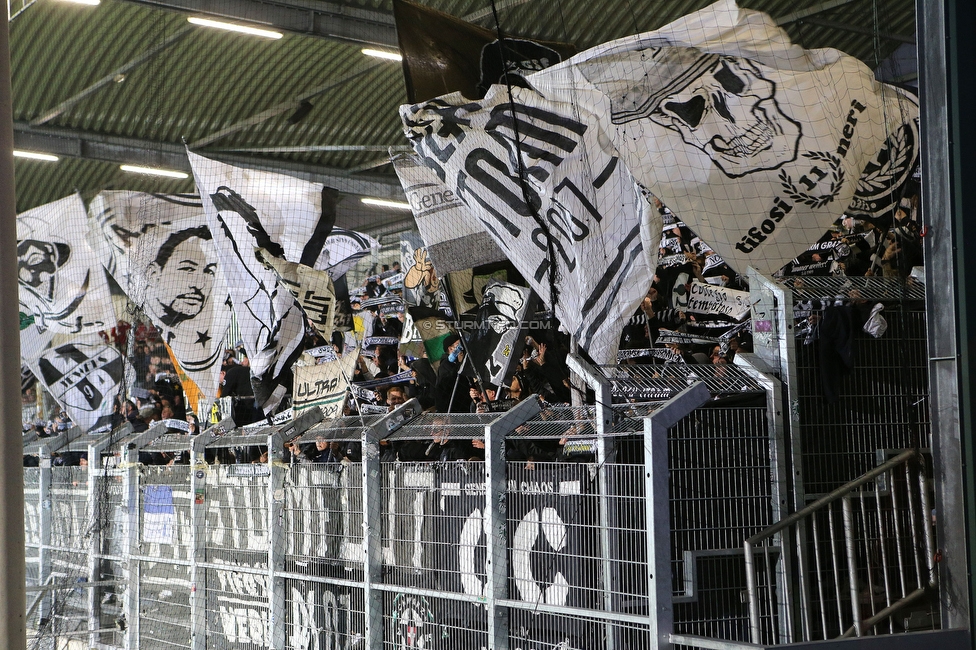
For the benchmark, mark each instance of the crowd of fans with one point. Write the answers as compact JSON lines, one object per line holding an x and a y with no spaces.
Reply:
{"x":661,"y":331}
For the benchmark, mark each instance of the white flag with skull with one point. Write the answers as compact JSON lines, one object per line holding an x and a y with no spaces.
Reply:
{"x":248,"y":209}
{"x":575,"y":224}
{"x":65,"y":305}
{"x":166,"y":262}
{"x":758,"y":144}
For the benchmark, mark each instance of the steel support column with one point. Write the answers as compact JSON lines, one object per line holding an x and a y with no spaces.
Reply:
{"x":656,"y":481}
{"x":13,"y":599}
{"x":496,"y":525}
{"x":946,"y":57}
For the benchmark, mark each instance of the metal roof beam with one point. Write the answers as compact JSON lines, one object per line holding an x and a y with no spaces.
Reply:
{"x":331,"y":20}
{"x":282,"y":108}
{"x":94,"y":146}
{"x":827,"y":5}
{"x":112,"y":77}
{"x":867,"y":31}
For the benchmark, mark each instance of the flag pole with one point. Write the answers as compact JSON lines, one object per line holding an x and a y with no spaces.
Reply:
{"x":13,"y":600}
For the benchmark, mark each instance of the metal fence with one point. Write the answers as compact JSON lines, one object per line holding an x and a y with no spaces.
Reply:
{"x":611,"y":526}
{"x":852,"y":401}
{"x":543,"y":544}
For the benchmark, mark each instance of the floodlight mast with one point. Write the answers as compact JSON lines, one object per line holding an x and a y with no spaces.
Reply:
{"x":13,"y":600}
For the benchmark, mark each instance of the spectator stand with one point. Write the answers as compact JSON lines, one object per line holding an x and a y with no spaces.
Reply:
{"x":563,"y":532}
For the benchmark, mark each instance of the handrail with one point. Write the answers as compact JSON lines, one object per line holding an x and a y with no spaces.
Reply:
{"x":837,"y":494}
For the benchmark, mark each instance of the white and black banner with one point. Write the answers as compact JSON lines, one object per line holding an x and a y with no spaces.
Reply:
{"x":343,"y":249}
{"x":495,"y":339}
{"x":83,"y":374}
{"x":65,"y":306}
{"x":707,"y":299}
{"x":556,"y":199}
{"x":61,"y":283}
{"x":248,"y":209}
{"x":758,"y":144}
{"x":421,"y":286}
{"x":324,"y":385}
{"x":164,"y":258}
{"x":455,"y":237}
{"x":313,"y":289}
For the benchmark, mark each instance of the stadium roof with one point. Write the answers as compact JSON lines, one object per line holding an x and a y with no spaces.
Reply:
{"x":131,"y":81}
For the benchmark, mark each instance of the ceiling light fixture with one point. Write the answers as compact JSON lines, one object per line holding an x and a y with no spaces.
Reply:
{"x":232,"y":27}
{"x":383,"y":54}
{"x":91,"y":3}
{"x":153,"y":171}
{"x":33,"y":155}
{"x":380,"y":203}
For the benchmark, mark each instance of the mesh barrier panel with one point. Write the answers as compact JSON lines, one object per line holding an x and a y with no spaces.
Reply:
{"x":881,"y":404}
{"x":413,"y":621}
{"x":237,"y":514}
{"x":323,"y":615}
{"x":165,"y":542}
{"x":32,"y":522}
{"x":323,"y":516}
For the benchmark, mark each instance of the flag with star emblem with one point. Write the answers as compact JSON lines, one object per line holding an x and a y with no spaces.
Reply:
{"x":163,"y":256}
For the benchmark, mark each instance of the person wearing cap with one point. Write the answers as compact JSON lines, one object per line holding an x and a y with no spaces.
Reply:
{"x":450,"y":394}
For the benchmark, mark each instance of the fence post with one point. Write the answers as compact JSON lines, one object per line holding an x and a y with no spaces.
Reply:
{"x":198,"y":532}
{"x":772,"y":313}
{"x":372,"y":517}
{"x":98,"y":521}
{"x":759,"y":370}
{"x":276,"y":536}
{"x":496,"y":526}
{"x":657,"y":501}
{"x":130,"y":482}
{"x":44,"y":545}
{"x":604,"y":419}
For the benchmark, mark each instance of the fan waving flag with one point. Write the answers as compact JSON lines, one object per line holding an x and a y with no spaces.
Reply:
{"x":575,"y":224}
{"x":166,"y":262}
{"x":757,"y":143}
{"x":248,"y":209}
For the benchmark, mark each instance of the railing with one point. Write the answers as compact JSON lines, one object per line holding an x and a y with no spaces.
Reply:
{"x":865,"y":553}
{"x":504,"y":553}
{"x":635,"y":542}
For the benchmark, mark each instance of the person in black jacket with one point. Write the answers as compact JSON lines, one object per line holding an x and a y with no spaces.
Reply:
{"x":451,"y":394}
{"x":424,"y":382}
